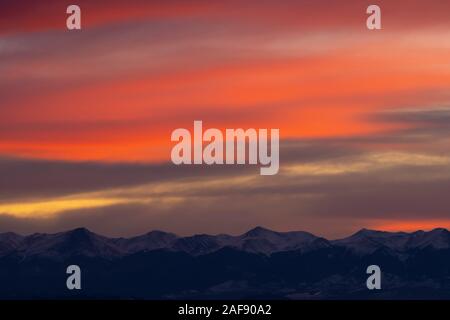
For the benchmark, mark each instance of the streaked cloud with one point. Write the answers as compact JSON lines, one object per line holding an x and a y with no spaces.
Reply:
{"x":86,"y":117}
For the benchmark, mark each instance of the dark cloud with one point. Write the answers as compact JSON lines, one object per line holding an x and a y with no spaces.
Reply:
{"x":405,"y":185}
{"x":434,"y":116}
{"x":425,"y":128}
{"x":27,"y":178}
{"x":419,"y":120}
{"x":217,"y":215}
{"x":332,"y":205}
{"x":22,"y":178}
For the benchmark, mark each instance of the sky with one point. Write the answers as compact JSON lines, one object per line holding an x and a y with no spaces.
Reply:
{"x":86,"y":115}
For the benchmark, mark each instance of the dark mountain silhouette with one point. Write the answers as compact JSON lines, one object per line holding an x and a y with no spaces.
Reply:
{"x":259,"y":263}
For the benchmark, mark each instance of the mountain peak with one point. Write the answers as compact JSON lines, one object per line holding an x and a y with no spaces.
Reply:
{"x":365,"y":231}
{"x":440,"y":231}
{"x":5,"y":235}
{"x":258,"y":231}
{"x":159,"y":233}
{"x":80,"y":233}
{"x":80,"y":230}
{"x":370,"y":233}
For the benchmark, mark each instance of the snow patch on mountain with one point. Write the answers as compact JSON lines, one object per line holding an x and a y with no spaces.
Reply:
{"x":82,"y":242}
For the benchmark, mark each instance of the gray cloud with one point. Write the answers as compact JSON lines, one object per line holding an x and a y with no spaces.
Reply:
{"x":22,"y":178}
{"x":328,"y":204}
{"x":27,"y":178}
{"x":356,"y":186}
{"x":423,"y":124}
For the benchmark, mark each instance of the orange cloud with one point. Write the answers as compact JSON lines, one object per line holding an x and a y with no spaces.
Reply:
{"x":411,"y":225}
{"x":122,"y":117}
{"x":99,"y":95}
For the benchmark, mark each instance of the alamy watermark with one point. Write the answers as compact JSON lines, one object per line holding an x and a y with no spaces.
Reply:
{"x":73,"y":282}
{"x":73,"y":22}
{"x":374,"y":20}
{"x":374,"y":280}
{"x":228,"y":148}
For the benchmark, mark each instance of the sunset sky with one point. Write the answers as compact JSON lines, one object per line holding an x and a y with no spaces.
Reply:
{"x":86,"y":115}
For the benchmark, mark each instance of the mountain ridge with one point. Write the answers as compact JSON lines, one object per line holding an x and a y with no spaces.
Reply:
{"x":258,"y":263}
{"x":81,"y":241}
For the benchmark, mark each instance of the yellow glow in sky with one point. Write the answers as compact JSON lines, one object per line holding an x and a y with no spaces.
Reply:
{"x":51,"y":207}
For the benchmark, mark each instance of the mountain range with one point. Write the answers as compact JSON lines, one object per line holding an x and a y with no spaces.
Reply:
{"x":260,"y":263}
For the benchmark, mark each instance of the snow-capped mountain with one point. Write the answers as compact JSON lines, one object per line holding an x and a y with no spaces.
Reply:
{"x":260,"y":262}
{"x":82,"y":242}
{"x":9,"y":242}
{"x":266,"y":241}
{"x":368,"y":241}
{"x":150,"y":241}
{"x":437,"y":239}
{"x":257,"y":240}
{"x":75,"y":242}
